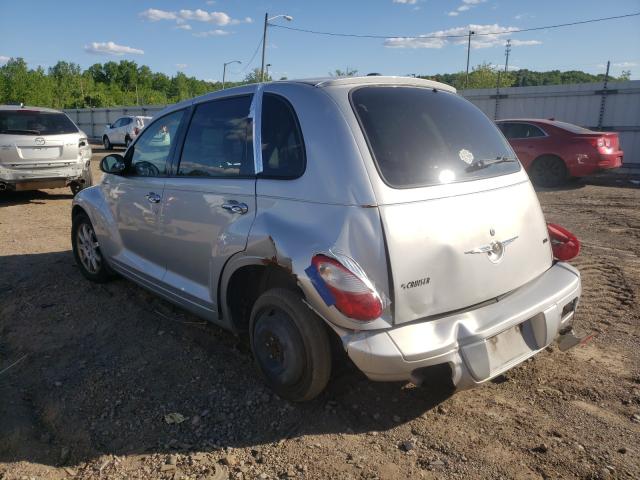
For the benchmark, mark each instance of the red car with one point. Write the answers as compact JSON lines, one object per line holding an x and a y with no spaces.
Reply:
{"x":553,"y":151}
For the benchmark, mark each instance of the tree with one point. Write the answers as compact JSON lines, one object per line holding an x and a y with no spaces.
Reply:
{"x":625,"y":76}
{"x":347,"y":72}
{"x":254,"y":76}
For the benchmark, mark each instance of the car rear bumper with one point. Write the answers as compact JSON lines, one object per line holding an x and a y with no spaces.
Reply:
{"x":38,"y":178}
{"x":477,"y":345}
{"x":613,"y":160}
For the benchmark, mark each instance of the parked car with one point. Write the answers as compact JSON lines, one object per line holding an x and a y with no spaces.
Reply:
{"x":552,"y":151}
{"x":42,"y":148}
{"x":385,"y":213}
{"x":123,"y":131}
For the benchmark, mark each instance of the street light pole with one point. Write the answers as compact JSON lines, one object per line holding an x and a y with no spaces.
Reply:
{"x":466,"y":78}
{"x":224,"y":70}
{"x":288,"y":18}
{"x":266,"y":69}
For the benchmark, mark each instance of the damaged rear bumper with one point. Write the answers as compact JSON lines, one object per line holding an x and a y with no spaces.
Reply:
{"x":477,"y":345}
{"x":40,"y":178}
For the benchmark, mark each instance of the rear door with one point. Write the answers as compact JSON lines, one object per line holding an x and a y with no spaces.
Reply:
{"x":136,"y":199}
{"x":209,"y":198}
{"x":527,"y":140}
{"x":461,"y":220}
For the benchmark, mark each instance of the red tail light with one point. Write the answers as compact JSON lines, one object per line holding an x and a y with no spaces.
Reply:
{"x":136,"y":130}
{"x":353,"y":297}
{"x":564,"y":244}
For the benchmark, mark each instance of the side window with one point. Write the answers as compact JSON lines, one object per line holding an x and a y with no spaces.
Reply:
{"x":533,"y":131}
{"x":283,"y":154}
{"x":117,"y":123}
{"x":505,"y":128}
{"x":218,"y":143}
{"x":126,"y":121}
{"x":151,"y":151}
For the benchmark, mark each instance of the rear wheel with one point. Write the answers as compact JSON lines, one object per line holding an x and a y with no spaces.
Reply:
{"x":87,"y":178}
{"x":549,"y":171}
{"x":106,"y":143}
{"x":86,"y":250}
{"x":290,"y":345}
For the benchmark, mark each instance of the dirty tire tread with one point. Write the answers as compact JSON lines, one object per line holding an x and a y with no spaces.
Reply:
{"x":105,"y":274}
{"x":315,"y":339}
{"x":542,"y":174}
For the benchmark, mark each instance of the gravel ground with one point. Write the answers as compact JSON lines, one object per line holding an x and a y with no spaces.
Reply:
{"x":102,"y":369}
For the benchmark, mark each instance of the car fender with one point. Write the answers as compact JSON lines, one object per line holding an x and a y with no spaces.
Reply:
{"x":91,"y":200}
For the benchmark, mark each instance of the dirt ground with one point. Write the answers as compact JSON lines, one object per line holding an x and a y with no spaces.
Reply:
{"x":89,"y":372}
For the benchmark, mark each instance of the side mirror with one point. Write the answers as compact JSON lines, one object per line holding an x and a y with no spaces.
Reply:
{"x":114,"y":164}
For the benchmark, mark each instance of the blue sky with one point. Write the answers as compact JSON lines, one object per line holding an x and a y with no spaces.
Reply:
{"x":197,"y":36}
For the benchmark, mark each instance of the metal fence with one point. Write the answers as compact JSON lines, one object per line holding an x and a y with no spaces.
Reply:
{"x":591,"y":105}
{"x":612,"y":107}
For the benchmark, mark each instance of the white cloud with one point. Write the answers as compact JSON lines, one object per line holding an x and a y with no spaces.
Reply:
{"x":198,"y":15}
{"x":453,"y":13}
{"x":466,"y":5}
{"x":210,"y":2}
{"x":463,"y":8}
{"x":4,"y":59}
{"x":620,"y":64}
{"x":405,"y":2}
{"x":111,"y":48}
{"x":525,"y":43}
{"x":211,"y":33}
{"x":473,"y":2}
{"x":183,"y":26}
{"x":486,"y":36}
{"x":154,"y":15}
{"x":181,"y":66}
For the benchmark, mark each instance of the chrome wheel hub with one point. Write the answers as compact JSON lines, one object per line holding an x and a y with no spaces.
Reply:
{"x":88,"y":248}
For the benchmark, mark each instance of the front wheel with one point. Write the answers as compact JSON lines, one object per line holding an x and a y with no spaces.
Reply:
{"x":86,"y":250}
{"x":106,"y":143}
{"x":290,"y":345}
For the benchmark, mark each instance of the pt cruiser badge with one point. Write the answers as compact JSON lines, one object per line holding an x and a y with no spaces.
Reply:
{"x":494,"y":250}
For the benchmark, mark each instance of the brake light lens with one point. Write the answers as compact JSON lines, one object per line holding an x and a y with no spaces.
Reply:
{"x":564,"y":244}
{"x":136,"y":130}
{"x":350,"y":295}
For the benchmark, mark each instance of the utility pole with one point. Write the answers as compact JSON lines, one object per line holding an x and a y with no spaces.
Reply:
{"x":466,"y":78}
{"x":507,"y":51}
{"x":603,"y":98}
{"x":264,"y":45}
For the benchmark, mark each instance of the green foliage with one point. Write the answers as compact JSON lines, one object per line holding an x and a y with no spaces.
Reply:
{"x":486,"y":76}
{"x":109,"y":84}
{"x":65,"y":85}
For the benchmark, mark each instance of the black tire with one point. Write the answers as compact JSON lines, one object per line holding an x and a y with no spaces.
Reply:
{"x":76,"y":187}
{"x":106,"y":143}
{"x":102,"y":273}
{"x":290,"y":345}
{"x":549,"y":171}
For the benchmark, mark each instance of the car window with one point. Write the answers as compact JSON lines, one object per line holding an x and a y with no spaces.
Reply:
{"x":151,"y":151}
{"x":218,"y":143}
{"x":423,"y":136}
{"x":117,"y":123}
{"x":126,"y":121}
{"x":522,"y":130}
{"x":283,"y":154}
{"x":32,"y":122}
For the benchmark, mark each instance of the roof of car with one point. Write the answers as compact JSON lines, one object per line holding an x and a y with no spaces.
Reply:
{"x":28,"y":108}
{"x":373,"y":80}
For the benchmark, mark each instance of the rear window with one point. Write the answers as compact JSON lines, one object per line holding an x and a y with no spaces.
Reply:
{"x":421,"y":136}
{"x":29,"y":122}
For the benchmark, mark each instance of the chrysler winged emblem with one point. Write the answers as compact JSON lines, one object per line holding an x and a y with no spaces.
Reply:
{"x":494,"y":250}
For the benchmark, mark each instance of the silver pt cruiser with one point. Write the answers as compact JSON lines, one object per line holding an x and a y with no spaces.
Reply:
{"x":387,"y":213}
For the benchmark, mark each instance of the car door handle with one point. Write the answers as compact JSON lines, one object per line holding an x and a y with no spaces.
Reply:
{"x":153,"y":197}
{"x":236,"y":207}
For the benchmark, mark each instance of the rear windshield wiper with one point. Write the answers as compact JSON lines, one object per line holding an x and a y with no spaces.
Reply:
{"x":20,"y":130}
{"x":480,"y":164}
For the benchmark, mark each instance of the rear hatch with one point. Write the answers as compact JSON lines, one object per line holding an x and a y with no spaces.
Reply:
{"x":32,"y":139}
{"x":466,"y":227}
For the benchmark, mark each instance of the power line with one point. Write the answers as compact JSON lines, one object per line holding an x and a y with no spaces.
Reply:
{"x":520,"y":30}
{"x":255,"y":52}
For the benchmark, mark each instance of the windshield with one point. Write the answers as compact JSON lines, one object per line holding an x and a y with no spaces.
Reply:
{"x":30,"y":122}
{"x":421,"y":136}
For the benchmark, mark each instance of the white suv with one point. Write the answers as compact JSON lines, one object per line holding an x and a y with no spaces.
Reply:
{"x":42,"y":148}
{"x":123,"y":131}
